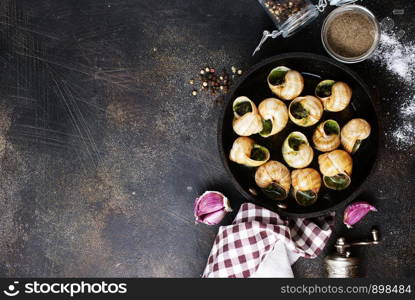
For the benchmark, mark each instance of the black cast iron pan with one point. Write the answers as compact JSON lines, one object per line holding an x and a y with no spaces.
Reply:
{"x":314,"y":69}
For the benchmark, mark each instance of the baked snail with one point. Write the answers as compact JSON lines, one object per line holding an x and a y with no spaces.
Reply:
{"x":306,"y":185}
{"x":336,"y":167}
{"x":285,"y":83}
{"x":246,"y":152}
{"x":335,"y":96}
{"x":247,"y":120}
{"x":274,"y":180}
{"x":296,"y":150}
{"x":353,"y":133}
{"x":305,"y":111}
{"x":274,"y":115}
{"x":326,"y":137}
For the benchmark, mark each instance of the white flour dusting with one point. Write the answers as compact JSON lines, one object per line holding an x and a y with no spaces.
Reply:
{"x":403,"y":135}
{"x":398,"y":58}
{"x":408,"y":107}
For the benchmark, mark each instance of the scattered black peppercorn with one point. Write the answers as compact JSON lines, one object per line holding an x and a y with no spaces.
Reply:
{"x":213,"y":81}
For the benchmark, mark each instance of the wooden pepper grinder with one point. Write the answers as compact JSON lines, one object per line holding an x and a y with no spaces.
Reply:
{"x":341,"y":264}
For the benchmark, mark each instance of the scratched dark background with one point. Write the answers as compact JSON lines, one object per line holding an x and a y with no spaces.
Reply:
{"x":103,"y":149}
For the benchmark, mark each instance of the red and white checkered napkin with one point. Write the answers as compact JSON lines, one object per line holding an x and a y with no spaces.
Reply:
{"x":239,"y":249}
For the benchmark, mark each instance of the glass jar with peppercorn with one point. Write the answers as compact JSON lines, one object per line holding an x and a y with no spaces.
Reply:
{"x":290,"y":15}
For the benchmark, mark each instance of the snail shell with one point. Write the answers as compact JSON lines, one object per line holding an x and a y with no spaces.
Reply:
{"x":326,"y":137}
{"x":335,"y":96}
{"x":305,"y":111}
{"x":285,"y":83}
{"x":306,"y":185}
{"x":247,"y":120}
{"x":274,"y":179}
{"x":274,"y":114}
{"x":353,"y":133}
{"x":336,"y":167}
{"x":245,"y":152}
{"x":296,"y":150}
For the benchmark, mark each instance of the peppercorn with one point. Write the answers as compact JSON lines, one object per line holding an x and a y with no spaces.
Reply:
{"x":214,"y":82}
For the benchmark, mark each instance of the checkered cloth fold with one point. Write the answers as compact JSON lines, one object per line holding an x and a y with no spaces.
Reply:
{"x":239,"y":249}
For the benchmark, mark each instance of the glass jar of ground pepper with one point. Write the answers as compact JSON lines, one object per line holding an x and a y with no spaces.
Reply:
{"x":290,"y":15}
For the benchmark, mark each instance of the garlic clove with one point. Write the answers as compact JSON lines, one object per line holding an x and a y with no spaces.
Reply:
{"x":211,"y":207}
{"x":355,"y":212}
{"x":212,"y":218}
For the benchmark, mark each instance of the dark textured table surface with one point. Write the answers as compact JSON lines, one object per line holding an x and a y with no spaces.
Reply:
{"x":103,"y":149}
